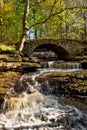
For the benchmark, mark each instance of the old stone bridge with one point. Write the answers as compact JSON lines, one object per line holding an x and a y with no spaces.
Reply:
{"x":63,"y":48}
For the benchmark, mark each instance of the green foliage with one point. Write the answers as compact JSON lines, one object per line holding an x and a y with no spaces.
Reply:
{"x":68,"y":23}
{"x":11,"y":13}
{"x":7,"y":49}
{"x":79,"y":50}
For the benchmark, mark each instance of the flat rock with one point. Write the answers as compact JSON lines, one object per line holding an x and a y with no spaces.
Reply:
{"x":66,"y":83}
{"x":18,"y":66}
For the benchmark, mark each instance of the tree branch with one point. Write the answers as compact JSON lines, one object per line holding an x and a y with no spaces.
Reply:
{"x":56,"y":13}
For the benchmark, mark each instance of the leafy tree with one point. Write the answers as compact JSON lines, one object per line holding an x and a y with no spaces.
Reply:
{"x":10,"y":20}
{"x":48,"y":18}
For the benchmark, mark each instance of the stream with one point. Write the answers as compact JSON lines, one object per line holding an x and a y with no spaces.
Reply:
{"x":27,"y":107}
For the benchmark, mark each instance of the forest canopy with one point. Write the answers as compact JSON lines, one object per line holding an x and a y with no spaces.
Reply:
{"x":47,"y":18}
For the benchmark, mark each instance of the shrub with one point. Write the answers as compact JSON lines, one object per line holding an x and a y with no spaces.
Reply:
{"x":7,"y":49}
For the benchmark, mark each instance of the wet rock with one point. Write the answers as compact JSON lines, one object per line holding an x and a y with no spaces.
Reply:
{"x":65,"y":83}
{"x":24,"y":84}
{"x":25,"y":59}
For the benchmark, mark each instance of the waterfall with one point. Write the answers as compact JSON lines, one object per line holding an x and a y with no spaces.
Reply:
{"x":71,"y":66}
{"x":27,"y":108}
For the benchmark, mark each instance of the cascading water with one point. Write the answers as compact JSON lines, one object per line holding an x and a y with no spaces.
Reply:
{"x":26,"y":108}
{"x":68,"y":66}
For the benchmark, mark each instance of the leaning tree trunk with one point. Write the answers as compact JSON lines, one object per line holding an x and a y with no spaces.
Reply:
{"x":24,"y":32}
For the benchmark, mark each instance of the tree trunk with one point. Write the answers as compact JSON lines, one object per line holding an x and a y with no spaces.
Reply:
{"x":24,"y":32}
{"x":85,"y":33}
{"x":66,"y":27}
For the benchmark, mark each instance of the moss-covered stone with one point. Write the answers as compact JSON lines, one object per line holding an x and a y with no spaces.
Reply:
{"x":4,"y":49}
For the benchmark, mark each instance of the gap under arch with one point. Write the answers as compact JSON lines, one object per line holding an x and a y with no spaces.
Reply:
{"x":60,"y":52}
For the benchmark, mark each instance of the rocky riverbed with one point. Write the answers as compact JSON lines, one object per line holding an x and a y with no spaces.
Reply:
{"x":37,"y":102}
{"x":73,"y":84}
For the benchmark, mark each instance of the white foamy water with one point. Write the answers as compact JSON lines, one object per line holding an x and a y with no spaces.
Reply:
{"x":65,"y":66}
{"x":32,"y":110}
{"x":36,"y":111}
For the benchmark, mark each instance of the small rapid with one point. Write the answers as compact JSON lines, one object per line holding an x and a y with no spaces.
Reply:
{"x":62,"y":66}
{"x":26,"y":107}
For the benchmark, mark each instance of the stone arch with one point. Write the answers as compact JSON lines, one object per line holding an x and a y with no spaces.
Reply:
{"x":58,"y":50}
{"x":64,"y":48}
